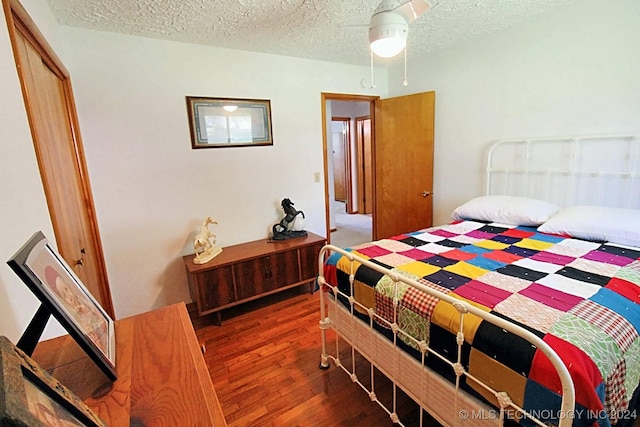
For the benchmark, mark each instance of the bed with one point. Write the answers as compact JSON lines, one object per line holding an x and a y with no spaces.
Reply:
{"x":524,"y":309}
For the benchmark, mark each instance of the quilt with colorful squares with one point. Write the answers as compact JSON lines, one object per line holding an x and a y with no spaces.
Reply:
{"x":580,"y":297}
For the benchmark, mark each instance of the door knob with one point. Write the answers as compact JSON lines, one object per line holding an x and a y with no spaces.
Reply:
{"x":426,"y":193}
{"x":81,"y":260}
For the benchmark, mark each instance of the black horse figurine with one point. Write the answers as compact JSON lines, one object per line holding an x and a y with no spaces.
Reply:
{"x":281,"y":230}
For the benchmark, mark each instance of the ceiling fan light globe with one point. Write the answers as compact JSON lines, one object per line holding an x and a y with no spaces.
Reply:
{"x":387,"y":34}
{"x":388,"y":47}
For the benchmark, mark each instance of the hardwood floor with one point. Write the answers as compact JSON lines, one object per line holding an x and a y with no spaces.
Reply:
{"x":264,"y":363}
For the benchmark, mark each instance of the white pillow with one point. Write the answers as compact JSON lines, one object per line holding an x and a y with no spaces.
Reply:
{"x":600,"y":223}
{"x":509,"y":210}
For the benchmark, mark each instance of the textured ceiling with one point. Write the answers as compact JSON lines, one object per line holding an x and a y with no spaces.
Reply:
{"x":318,"y":29}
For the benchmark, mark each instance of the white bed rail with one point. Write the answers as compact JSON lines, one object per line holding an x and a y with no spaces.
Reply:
{"x":601,"y":170}
{"x":565,"y":415}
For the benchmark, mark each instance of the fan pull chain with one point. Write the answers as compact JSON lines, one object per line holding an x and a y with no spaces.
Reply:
{"x":372,"y":83}
{"x":364,"y":81}
{"x":405,"y":82}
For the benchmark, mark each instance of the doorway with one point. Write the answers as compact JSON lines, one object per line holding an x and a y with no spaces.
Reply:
{"x":401,"y":150}
{"x":348,"y":164}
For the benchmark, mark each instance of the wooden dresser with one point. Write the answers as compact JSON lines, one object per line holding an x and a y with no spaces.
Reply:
{"x":252,"y":270}
{"x":162,"y":376}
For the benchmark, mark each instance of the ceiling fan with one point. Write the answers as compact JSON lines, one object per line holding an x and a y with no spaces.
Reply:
{"x":389,"y":25}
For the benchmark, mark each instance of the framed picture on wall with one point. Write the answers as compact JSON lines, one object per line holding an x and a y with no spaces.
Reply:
{"x":67,"y":299}
{"x":32,"y":397}
{"x":229,"y":122}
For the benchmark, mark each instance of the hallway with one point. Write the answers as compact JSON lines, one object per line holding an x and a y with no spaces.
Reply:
{"x":351,"y":229}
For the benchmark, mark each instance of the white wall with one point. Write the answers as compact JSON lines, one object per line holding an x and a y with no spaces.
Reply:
{"x":573,"y":71}
{"x":152,"y":190}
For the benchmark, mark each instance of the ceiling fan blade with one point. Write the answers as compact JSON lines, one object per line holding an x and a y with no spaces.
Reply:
{"x":413,"y":9}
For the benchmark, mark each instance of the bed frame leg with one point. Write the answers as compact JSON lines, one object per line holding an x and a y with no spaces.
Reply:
{"x":324,"y":363}
{"x":325,"y":322}
{"x":324,"y":359}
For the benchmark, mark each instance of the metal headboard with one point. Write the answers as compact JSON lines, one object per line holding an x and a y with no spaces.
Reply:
{"x":601,"y":170}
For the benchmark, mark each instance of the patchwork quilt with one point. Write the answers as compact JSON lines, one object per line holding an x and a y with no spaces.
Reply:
{"x":580,"y":297}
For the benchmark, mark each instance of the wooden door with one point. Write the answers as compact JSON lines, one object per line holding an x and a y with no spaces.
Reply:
{"x":403,"y":158}
{"x":364,"y":161}
{"x":54,"y":128}
{"x":308,"y":260}
{"x":285,"y":268}
{"x":339,"y":148}
{"x":266,"y":274}
{"x":214,"y":289}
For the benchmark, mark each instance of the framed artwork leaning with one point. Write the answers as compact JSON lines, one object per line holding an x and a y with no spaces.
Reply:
{"x":66,"y":298}
{"x":32,"y":397}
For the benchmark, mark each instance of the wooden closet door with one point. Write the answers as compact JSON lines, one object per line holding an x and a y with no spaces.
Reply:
{"x":52,"y":118}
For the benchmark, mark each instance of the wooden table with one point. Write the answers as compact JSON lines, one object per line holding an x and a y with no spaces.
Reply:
{"x":162,"y":376}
